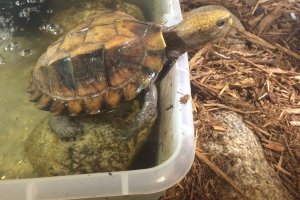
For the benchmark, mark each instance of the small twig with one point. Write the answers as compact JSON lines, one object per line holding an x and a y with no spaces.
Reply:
{"x":288,"y":51}
{"x":229,"y":108}
{"x":258,"y":40}
{"x":221,"y":55}
{"x":279,"y":168}
{"x":194,"y":60}
{"x":257,"y":128}
{"x":263,"y":96}
{"x":280,"y":84}
{"x":255,"y":65}
{"x":289,"y":149}
{"x":218,"y":171}
{"x":223,"y":89}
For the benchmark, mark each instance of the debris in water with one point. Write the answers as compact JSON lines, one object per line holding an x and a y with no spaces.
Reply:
{"x":49,"y":11}
{"x":11,"y":46}
{"x":4,"y":36}
{"x":52,"y":28}
{"x":25,"y":12}
{"x":25,"y":52}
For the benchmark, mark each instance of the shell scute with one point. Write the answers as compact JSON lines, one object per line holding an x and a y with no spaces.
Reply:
{"x":122,"y":73}
{"x":94,"y":105}
{"x":72,"y":41}
{"x":98,"y":64}
{"x":131,"y":28}
{"x":107,"y":18}
{"x":75,"y":107}
{"x":100,"y":33}
{"x":113,"y":98}
{"x":131,"y":89}
{"x":154,"y":62}
{"x":58,"y":107}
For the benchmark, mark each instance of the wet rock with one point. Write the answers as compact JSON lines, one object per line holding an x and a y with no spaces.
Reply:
{"x":102,"y":148}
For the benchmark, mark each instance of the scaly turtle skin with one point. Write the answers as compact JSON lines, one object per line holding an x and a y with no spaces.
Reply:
{"x":110,"y":58}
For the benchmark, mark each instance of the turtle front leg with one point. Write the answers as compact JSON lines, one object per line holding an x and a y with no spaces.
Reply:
{"x":147,"y":114}
{"x":64,"y":127}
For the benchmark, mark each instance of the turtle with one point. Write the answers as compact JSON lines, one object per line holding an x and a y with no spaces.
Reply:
{"x":110,"y":58}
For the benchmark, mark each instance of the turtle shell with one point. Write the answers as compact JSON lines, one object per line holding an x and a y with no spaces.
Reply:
{"x":97,"y":65}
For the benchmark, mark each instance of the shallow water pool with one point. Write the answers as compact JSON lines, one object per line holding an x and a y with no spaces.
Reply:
{"x":27,"y":29}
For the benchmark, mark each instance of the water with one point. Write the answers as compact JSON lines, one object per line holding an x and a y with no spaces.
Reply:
{"x":19,"y":50}
{"x":26,"y":30}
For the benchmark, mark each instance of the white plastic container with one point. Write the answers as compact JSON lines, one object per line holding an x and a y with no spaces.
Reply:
{"x":175,"y":151}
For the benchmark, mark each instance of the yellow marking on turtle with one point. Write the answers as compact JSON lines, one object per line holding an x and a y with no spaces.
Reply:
{"x":117,"y":41}
{"x":154,"y":40}
{"x":87,"y":48}
{"x":100,"y":33}
{"x":72,"y":41}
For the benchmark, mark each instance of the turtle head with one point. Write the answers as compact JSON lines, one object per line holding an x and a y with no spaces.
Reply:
{"x":198,"y":27}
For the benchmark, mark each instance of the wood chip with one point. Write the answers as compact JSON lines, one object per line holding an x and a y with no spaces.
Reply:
{"x":184,"y":99}
{"x":219,"y":128}
{"x":276,"y":146}
{"x":295,"y":123}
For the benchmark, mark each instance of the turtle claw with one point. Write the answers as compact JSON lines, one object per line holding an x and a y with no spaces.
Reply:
{"x":65,"y":128}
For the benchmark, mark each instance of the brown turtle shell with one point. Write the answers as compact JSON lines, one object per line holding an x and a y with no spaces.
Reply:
{"x":97,"y":65}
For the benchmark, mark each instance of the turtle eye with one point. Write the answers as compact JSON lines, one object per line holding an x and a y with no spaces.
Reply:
{"x":221,"y":23}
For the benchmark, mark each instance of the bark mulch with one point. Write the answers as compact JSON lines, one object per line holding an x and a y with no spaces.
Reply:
{"x":254,"y":72}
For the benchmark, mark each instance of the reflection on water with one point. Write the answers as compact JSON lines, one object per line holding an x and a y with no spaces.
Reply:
{"x":26,"y":29}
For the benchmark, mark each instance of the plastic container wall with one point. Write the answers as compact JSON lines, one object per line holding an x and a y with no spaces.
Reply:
{"x":175,"y":150}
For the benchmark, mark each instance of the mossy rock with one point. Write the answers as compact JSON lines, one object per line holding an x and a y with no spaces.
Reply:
{"x":102,"y":148}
